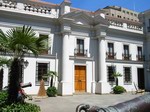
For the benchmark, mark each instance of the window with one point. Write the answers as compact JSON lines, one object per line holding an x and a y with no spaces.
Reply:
{"x":126,"y":49}
{"x":135,"y":15}
{"x":80,"y":47}
{"x":132,"y":14}
{"x":112,"y":14}
{"x":111,"y":48}
{"x":139,"y":51}
{"x":41,"y":70}
{"x":110,"y":53}
{"x":148,"y":28}
{"x":126,"y":55}
{"x":123,"y":11}
{"x":140,"y":54}
{"x":127,"y":75}
{"x":110,"y":71}
{"x":45,"y":51}
{"x":127,"y":12}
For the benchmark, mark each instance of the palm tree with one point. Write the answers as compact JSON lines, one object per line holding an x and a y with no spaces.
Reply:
{"x":19,"y":41}
{"x":116,"y":75}
{"x":51,"y":74}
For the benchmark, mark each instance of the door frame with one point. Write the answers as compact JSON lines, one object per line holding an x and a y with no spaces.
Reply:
{"x":85,"y":77}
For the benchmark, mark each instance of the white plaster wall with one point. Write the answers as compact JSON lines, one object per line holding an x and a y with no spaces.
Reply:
{"x":134,"y":74}
{"x":119,"y":41}
{"x":72,"y":44}
{"x":30,"y":73}
{"x":89,"y":76}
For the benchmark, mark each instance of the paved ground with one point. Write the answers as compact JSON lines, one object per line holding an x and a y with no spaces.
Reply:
{"x":69,"y":103}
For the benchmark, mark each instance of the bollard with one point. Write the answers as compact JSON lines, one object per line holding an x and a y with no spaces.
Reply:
{"x":139,"y":104}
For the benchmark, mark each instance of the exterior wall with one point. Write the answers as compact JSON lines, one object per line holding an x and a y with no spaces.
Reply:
{"x":144,"y":17}
{"x":119,"y":68}
{"x":63,"y":34}
{"x":40,"y":28}
{"x":119,"y":39}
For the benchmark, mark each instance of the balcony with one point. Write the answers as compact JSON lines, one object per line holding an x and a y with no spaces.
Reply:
{"x":126,"y":56}
{"x":110,"y":55}
{"x":140,"y":57}
{"x":80,"y":52}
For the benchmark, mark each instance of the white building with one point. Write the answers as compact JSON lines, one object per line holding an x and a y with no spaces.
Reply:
{"x":83,"y":47}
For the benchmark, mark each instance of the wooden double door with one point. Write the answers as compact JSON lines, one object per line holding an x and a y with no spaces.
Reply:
{"x":80,"y":78}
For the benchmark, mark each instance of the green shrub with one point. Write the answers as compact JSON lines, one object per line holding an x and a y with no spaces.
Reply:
{"x":20,"y":107}
{"x":3,"y":97}
{"x":51,"y":91}
{"x":119,"y":89}
{"x":16,"y":107}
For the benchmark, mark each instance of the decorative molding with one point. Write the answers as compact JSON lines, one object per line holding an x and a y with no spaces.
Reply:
{"x":124,"y":61}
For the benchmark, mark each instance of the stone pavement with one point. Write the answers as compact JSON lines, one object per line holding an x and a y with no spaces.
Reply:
{"x":69,"y":103}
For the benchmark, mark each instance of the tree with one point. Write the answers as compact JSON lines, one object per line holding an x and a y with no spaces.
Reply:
{"x":116,"y":75}
{"x":19,"y":41}
{"x":51,"y":74}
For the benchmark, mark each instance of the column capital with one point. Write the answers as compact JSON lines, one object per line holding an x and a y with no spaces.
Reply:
{"x":66,"y":33}
{"x":101,"y":30}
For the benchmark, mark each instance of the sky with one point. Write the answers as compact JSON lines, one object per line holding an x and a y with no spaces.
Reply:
{"x":93,"y":5}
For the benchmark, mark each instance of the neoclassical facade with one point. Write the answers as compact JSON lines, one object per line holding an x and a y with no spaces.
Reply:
{"x":83,"y":47}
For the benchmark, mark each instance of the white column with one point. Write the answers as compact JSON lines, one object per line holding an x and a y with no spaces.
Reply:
{"x":65,"y":56}
{"x":65,"y":86}
{"x":102,"y":61}
{"x":102,"y":86}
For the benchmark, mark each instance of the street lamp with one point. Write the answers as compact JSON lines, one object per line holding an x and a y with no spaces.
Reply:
{"x":23,"y":65}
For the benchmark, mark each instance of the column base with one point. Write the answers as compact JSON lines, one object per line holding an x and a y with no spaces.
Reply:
{"x":93,"y":87}
{"x":65,"y":88}
{"x":102,"y":88}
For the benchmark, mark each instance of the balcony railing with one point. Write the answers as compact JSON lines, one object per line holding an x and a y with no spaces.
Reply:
{"x":134,"y":27}
{"x":36,"y":8}
{"x":110,"y":55}
{"x":80,"y":52}
{"x":126,"y":56}
{"x":140,"y":57}
{"x":9,"y":4}
{"x":122,"y":23}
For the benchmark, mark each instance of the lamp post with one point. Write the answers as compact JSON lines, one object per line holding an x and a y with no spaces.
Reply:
{"x":23,"y":65}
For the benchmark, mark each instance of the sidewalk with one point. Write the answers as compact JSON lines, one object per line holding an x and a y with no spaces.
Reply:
{"x":69,"y":103}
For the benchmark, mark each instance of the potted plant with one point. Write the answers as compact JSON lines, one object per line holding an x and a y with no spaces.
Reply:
{"x":119,"y":89}
{"x":51,"y":91}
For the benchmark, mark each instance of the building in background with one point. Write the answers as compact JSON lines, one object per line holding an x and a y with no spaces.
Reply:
{"x":144,"y":18}
{"x":83,"y":47}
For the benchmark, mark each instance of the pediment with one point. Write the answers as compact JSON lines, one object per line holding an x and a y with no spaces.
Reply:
{"x":79,"y":17}
{"x":85,"y":18}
